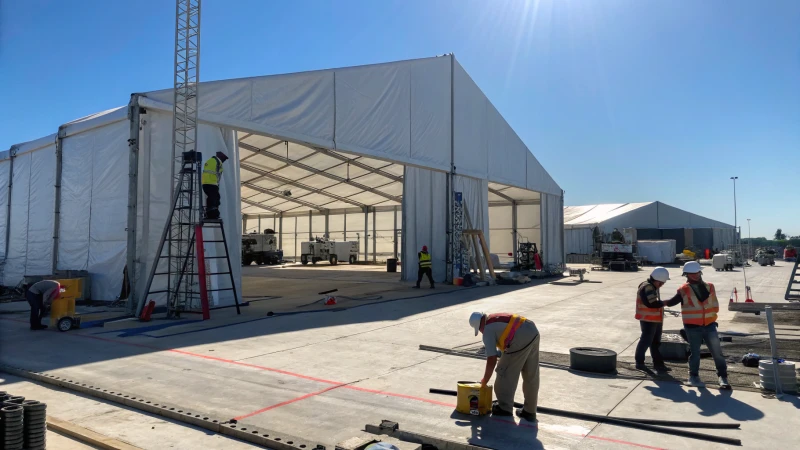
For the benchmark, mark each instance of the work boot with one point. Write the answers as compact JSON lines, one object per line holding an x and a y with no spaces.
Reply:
{"x":723,"y":383}
{"x":39,"y":327}
{"x":662,"y":368}
{"x":522,"y":414}
{"x":641,"y":366}
{"x":500,"y":412}
{"x":695,"y":381}
{"x":416,"y":287}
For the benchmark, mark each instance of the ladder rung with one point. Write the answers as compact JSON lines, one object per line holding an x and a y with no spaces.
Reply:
{"x":216,"y":257}
{"x":219,"y":273}
{"x":221,"y":289}
{"x":204,"y":241}
{"x":156,"y":292}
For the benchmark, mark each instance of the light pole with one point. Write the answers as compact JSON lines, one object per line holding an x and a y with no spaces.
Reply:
{"x":749,"y":240}
{"x":738,"y":241}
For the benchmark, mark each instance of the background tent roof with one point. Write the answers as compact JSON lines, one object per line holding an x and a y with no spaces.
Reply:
{"x":637,"y":215}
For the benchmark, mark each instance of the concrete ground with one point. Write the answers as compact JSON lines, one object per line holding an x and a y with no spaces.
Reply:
{"x":323,"y":375}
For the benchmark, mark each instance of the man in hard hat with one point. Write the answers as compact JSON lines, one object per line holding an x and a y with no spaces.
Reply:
{"x":518,"y":340}
{"x":212,"y":174}
{"x":699,"y":307}
{"x":39,"y":295}
{"x":425,"y":266}
{"x":650,"y":314}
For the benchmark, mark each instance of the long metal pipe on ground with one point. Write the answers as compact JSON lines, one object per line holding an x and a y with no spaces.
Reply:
{"x":657,"y":426}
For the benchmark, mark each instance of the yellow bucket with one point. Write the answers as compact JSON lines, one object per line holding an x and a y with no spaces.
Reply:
{"x":472,"y":399}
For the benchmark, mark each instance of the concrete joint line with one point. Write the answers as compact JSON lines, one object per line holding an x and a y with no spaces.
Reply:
{"x":255,"y":435}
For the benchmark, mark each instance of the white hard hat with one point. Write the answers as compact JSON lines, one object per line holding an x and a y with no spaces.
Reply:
{"x":692,"y":267}
{"x":660,"y":274}
{"x":475,"y":321}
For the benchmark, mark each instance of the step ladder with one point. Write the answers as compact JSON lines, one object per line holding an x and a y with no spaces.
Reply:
{"x":182,"y":271}
{"x":793,"y":289}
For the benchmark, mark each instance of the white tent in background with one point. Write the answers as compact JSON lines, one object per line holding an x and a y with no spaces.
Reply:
{"x":356,"y":146}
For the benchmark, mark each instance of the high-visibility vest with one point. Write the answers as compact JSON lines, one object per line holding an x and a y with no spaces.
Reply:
{"x":424,"y":259}
{"x":513,"y":322}
{"x":212,"y":171}
{"x":694,"y":311}
{"x":644,"y":313}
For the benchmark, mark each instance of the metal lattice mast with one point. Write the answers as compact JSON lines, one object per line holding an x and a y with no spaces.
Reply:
{"x":188,"y":208}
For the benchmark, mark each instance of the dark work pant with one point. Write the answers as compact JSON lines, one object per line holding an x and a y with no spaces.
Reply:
{"x":651,"y":338}
{"x":212,"y":200}
{"x":425,"y":271}
{"x":37,"y":308}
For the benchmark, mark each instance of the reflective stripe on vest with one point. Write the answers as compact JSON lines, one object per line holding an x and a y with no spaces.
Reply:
{"x":695,"y":312}
{"x":644,"y":313}
{"x":424,"y":259}
{"x":513,"y":321}
{"x":212,"y":171}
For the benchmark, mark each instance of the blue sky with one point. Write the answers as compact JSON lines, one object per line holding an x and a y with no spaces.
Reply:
{"x":621,"y":101}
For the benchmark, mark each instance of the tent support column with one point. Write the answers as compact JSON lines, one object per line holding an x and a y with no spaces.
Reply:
{"x":310,"y":232}
{"x":374,"y":237}
{"x":280,"y":231}
{"x":449,"y":179}
{"x":514,"y":232}
{"x":260,"y":230}
{"x":366,"y":234}
{"x":394,"y":234}
{"x":327,"y":222}
{"x":345,"y":226}
{"x":11,"y":155}
{"x":133,"y":185}
{"x":57,"y":202}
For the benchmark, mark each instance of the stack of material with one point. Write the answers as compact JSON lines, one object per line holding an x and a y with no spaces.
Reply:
{"x":512,"y":278}
{"x":11,"y":434}
{"x":35,"y":425}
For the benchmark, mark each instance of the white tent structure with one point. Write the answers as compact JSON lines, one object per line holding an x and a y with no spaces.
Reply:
{"x":371,"y":152}
{"x":652,"y":220}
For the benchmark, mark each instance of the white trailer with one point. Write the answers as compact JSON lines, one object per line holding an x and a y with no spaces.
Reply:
{"x":325,"y":250}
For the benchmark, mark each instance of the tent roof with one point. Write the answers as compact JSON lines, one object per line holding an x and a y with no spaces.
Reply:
{"x":594,"y":214}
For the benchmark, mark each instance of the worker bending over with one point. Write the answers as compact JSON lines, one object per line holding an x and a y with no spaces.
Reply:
{"x":650,"y":314}
{"x":518,"y":340}
{"x":699,"y":307}
{"x":39,"y":295}
{"x":425,"y":266}
{"x":212,"y":174}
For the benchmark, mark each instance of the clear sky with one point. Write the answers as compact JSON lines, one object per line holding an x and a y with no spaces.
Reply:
{"x":621,"y":101}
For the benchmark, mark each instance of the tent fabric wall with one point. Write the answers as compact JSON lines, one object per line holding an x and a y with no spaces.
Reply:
{"x":155,"y":197}
{"x":475,"y":200}
{"x":424,"y":220}
{"x":579,"y":241}
{"x":552,"y":229}
{"x":94,"y":203}
{"x":41,"y":207}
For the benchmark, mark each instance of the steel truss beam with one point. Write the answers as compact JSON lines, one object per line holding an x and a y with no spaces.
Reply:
{"x":259,"y":205}
{"x":280,"y":195}
{"x":263,"y":173}
{"x":321,"y":173}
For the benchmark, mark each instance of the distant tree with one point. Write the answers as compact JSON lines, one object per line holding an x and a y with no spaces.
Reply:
{"x":779,"y":236}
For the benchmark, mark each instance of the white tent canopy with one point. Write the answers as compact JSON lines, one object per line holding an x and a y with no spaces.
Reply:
{"x":319,"y":143}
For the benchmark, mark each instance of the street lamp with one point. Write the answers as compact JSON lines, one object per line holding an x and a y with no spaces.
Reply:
{"x":738,"y":241}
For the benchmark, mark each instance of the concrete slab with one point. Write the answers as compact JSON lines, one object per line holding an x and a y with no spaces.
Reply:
{"x":139,"y":429}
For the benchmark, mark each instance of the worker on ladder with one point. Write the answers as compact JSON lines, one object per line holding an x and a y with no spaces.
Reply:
{"x":517,"y":338}
{"x":212,"y":174}
{"x":425,"y":266}
{"x":699,"y":307}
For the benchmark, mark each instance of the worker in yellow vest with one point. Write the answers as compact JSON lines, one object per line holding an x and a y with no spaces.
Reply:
{"x":699,"y":308}
{"x":425,"y":266}
{"x":517,"y":338}
{"x":650,"y":314}
{"x":212,"y":174}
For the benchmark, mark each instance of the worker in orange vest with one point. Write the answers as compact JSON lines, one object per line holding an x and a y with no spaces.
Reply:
{"x":517,"y":338}
{"x":650,"y":314}
{"x":699,"y":307}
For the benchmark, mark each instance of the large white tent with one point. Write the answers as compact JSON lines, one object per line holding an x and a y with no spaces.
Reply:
{"x":373,"y":150}
{"x":652,"y":220}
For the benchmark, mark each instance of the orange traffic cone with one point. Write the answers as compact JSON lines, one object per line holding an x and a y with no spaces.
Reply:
{"x":734,"y":296}
{"x":749,"y":295}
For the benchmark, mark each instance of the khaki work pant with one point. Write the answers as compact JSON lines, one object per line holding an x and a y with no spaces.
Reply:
{"x":524,"y":361}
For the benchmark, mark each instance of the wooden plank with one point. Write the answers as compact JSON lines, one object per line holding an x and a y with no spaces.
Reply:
{"x":486,"y":255}
{"x":87,"y":436}
{"x":474,"y":240}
